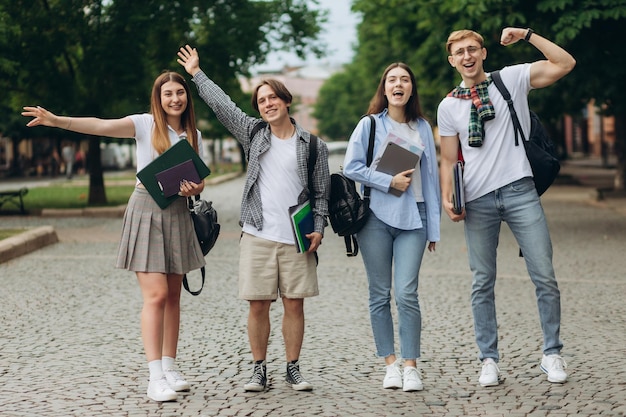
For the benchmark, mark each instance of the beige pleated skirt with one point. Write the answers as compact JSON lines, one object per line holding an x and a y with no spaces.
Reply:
{"x":158,"y":240}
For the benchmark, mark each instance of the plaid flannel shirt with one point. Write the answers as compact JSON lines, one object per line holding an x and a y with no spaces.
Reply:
{"x":240,"y":125}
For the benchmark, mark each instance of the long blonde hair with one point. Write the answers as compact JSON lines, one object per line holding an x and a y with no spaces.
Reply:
{"x":160,"y":137}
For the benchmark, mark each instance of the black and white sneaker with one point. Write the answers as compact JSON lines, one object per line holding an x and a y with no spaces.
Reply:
{"x":294,"y":377}
{"x":258,"y":381}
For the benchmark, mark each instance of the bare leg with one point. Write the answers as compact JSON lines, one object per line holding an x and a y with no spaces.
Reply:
{"x":259,"y":328}
{"x":154,"y":291}
{"x":171,"y":320}
{"x":293,"y":327}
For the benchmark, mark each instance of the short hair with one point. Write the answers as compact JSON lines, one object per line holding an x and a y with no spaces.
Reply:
{"x":279,"y":89}
{"x":459,"y":35}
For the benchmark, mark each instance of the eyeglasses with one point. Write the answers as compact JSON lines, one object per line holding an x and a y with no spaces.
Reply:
{"x":460,"y":53}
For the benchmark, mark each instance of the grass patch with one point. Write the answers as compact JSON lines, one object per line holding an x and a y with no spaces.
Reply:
{"x":65,"y":196}
{"x":6,"y":233}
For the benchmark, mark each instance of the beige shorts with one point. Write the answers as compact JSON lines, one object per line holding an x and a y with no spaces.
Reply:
{"x":268,"y":269}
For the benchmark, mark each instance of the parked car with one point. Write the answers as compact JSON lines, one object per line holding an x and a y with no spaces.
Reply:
{"x":113,"y":157}
{"x":337,"y":147}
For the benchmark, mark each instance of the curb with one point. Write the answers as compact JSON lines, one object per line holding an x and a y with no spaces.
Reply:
{"x":117,"y":211}
{"x":27,"y":242}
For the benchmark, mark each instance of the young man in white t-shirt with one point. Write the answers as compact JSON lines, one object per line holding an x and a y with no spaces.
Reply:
{"x":277,"y":178}
{"x":498,"y":184}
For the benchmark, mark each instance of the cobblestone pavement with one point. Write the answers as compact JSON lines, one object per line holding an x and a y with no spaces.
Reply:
{"x":70,"y":342}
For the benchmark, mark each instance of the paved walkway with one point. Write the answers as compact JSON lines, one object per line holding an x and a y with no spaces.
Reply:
{"x":70,"y":342}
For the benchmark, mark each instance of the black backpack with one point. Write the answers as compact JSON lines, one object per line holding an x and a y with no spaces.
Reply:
{"x":540,"y":150}
{"x":347,"y":211}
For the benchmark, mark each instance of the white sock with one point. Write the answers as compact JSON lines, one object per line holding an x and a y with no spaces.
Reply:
{"x":168,"y":363}
{"x":156,"y":369}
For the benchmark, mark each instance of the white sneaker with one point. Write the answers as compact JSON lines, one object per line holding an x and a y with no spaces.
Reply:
{"x":393,"y":377}
{"x":554,"y":366}
{"x":411,"y":379}
{"x":159,"y":390}
{"x":490,"y":374}
{"x":176,"y":381}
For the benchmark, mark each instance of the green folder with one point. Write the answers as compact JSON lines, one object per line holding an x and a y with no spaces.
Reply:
{"x":178,"y":153}
{"x":302,"y":224}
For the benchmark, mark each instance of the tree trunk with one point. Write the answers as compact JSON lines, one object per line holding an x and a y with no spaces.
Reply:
{"x":97,"y":192}
{"x":620,"y":152}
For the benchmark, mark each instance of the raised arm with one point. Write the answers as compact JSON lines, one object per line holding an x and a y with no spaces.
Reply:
{"x":114,"y":128}
{"x":545,"y":72}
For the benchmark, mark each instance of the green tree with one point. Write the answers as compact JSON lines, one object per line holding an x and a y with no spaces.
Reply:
{"x":99,"y":58}
{"x":415,"y":32}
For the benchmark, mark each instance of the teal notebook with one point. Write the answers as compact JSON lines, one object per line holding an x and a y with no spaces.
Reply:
{"x":175,"y":155}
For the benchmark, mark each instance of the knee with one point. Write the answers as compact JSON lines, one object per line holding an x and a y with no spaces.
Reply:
{"x":156,"y":297}
{"x":407,"y":300}
{"x":259,"y":308}
{"x":293,"y":306}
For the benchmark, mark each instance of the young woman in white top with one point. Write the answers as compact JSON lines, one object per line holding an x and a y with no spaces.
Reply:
{"x":157,"y":244}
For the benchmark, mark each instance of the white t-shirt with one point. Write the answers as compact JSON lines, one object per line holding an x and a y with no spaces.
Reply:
{"x":409,"y":132}
{"x":146,"y":153}
{"x":498,"y":161}
{"x":280,"y":187}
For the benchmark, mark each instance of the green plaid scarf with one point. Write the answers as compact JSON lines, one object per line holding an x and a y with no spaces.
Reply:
{"x":482,"y":109}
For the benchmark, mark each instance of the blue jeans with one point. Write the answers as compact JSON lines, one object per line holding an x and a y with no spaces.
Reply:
{"x":381,"y":247}
{"x":519,"y":206}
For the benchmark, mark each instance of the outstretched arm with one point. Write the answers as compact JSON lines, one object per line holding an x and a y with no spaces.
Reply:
{"x":114,"y":128}
{"x":546,"y":72}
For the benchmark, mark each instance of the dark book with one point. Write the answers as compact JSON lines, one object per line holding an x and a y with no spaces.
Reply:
{"x":169,"y":180}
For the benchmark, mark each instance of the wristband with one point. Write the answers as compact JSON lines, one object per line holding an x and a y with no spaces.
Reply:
{"x":528,"y":34}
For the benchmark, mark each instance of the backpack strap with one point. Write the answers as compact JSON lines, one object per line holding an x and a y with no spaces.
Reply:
{"x":497,"y":80}
{"x":311,"y":166}
{"x":370,"y":156}
{"x":260,"y":125}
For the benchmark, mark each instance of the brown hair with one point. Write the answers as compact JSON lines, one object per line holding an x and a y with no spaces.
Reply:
{"x":412,"y":109}
{"x":160,"y":136}
{"x":279,"y":89}
{"x":459,"y":35}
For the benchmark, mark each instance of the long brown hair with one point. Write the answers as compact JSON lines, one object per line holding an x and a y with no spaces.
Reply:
{"x":378,"y":103}
{"x":160,"y":137}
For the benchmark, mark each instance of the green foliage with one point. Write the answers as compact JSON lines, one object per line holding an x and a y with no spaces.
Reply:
{"x":415,"y":32}
{"x":100,"y":58}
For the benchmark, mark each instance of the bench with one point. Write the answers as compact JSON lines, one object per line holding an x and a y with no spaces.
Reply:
{"x":14,"y":197}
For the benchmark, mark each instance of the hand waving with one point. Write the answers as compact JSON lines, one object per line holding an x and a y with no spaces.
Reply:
{"x":188,"y":58}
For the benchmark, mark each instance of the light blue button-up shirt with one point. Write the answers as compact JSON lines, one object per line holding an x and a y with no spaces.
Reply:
{"x":399,"y":212}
